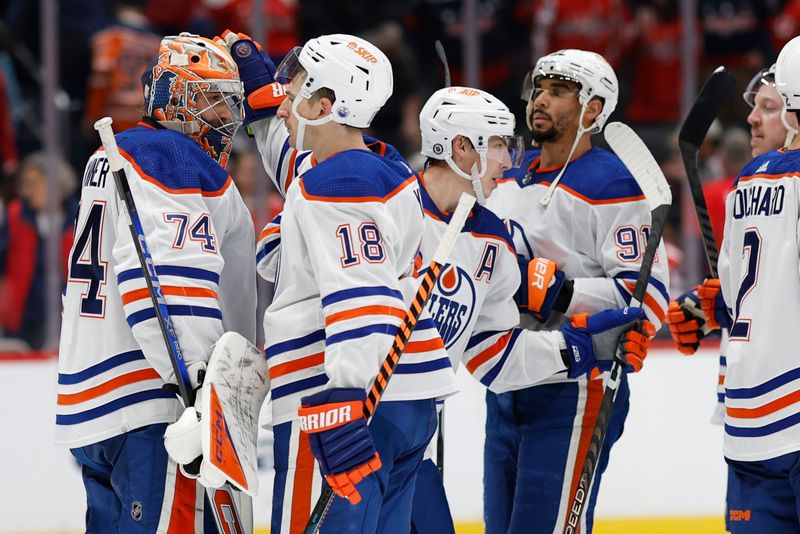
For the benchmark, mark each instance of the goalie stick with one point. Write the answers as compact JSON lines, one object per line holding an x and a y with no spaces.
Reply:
{"x":715,"y":92}
{"x":221,"y":500}
{"x":641,"y":164}
{"x":404,"y":331}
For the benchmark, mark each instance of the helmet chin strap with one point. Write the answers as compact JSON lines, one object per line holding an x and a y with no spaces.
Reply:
{"x":545,"y":200}
{"x":475,"y":175}
{"x":791,"y":133}
{"x":302,"y":122}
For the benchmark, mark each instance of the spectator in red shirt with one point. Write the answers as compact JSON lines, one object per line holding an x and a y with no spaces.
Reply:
{"x":23,"y":233}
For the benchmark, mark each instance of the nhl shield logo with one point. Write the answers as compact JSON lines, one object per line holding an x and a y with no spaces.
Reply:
{"x":452,"y":304}
{"x":136,"y":511}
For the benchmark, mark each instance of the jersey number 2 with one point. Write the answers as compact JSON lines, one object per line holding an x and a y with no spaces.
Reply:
{"x":85,"y":264}
{"x":752,"y":244}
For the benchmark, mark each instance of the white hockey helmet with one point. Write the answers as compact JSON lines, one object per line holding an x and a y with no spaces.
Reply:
{"x":592,"y":73}
{"x":358,"y":73}
{"x":476,"y":115}
{"x":787,"y":74}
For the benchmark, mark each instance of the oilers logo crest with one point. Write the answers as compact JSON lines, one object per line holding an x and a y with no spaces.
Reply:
{"x":452,"y":304}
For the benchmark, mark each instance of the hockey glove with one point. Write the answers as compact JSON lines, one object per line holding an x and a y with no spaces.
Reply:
{"x":592,"y":341}
{"x":687,"y":322}
{"x":543,"y":288}
{"x":257,"y":72}
{"x":339,"y":438}
{"x":710,"y":293}
{"x":182,"y":438}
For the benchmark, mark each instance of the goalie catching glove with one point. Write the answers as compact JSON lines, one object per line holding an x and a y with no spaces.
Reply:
{"x":340,"y":439}
{"x":592,"y":341}
{"x":543,"y":288}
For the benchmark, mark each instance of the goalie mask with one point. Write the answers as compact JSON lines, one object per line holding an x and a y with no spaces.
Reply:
{"x":193,"y":87}
{"x":478,"y":116}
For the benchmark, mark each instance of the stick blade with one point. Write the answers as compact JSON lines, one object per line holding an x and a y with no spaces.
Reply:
{"x":716,"y":91}
{"x":640,"y":162}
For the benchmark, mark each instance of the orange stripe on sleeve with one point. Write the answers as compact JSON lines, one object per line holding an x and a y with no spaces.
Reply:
{"x":269,"y":231}
{"x":362,"y":311}
{"x":650,"y":302}
{"x":296,"y":365}
{"x":144,"y":293}
{"x":428,"y":345}
{"x":490,"y":352}
{"x":141,"y":375}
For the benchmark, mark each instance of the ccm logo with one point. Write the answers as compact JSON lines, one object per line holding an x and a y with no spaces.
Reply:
{"x":740,"y":515}
{"x":323,"y":420}
{"x":363,"y":52}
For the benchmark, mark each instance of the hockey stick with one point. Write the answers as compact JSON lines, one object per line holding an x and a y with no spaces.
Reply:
{"x":715,"y":92}
{"x":639,"y":161}
{"x":443,"y":58}
{"x":386,"y":371}
{"x":440,"y":426}
{"x":116,"y":164}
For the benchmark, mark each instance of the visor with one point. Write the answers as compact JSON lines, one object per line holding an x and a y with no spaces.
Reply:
{"x":532,"y":79}
{"x":509,"y":149}
{"x":289,"y":66}
{"x":764,"y":77}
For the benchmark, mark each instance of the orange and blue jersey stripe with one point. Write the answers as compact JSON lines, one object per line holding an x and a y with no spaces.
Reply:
{"x":751,"y":408}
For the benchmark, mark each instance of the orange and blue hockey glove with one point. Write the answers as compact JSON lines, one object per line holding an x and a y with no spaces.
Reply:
{"x":263,"y":95}
{"x":687,"y":322}
{"x":592,"y":341}
{"x":340,"y":439}
{"x":543,"y":288}
{"x":710,"y":294}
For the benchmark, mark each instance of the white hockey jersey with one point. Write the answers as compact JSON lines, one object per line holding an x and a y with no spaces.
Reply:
{"x":112,"y":358}
{"x":473,"y":308}
{"x":595,"y":228}
{"x":758,"y":268}
{"x":349,"y":236}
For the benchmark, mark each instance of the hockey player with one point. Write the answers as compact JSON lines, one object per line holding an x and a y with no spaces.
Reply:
{"x":758,"y":268}
{"x":467,"y":135}
{"x":581,"y":208}
{"x":112,"y":406}
{"x":349,"y":236}
{"x":759,"y":437}
{"x":770,"y":128}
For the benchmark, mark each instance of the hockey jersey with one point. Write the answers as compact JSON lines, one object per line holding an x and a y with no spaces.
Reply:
{"x":352,"y":227}
{"x":112,"y":358}
{"x":473,"y":308}
{"x":595,"y":228}
{"x":758,"y":268}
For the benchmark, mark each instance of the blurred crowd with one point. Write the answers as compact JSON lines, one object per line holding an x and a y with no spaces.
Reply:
{"x":105,"y":45}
